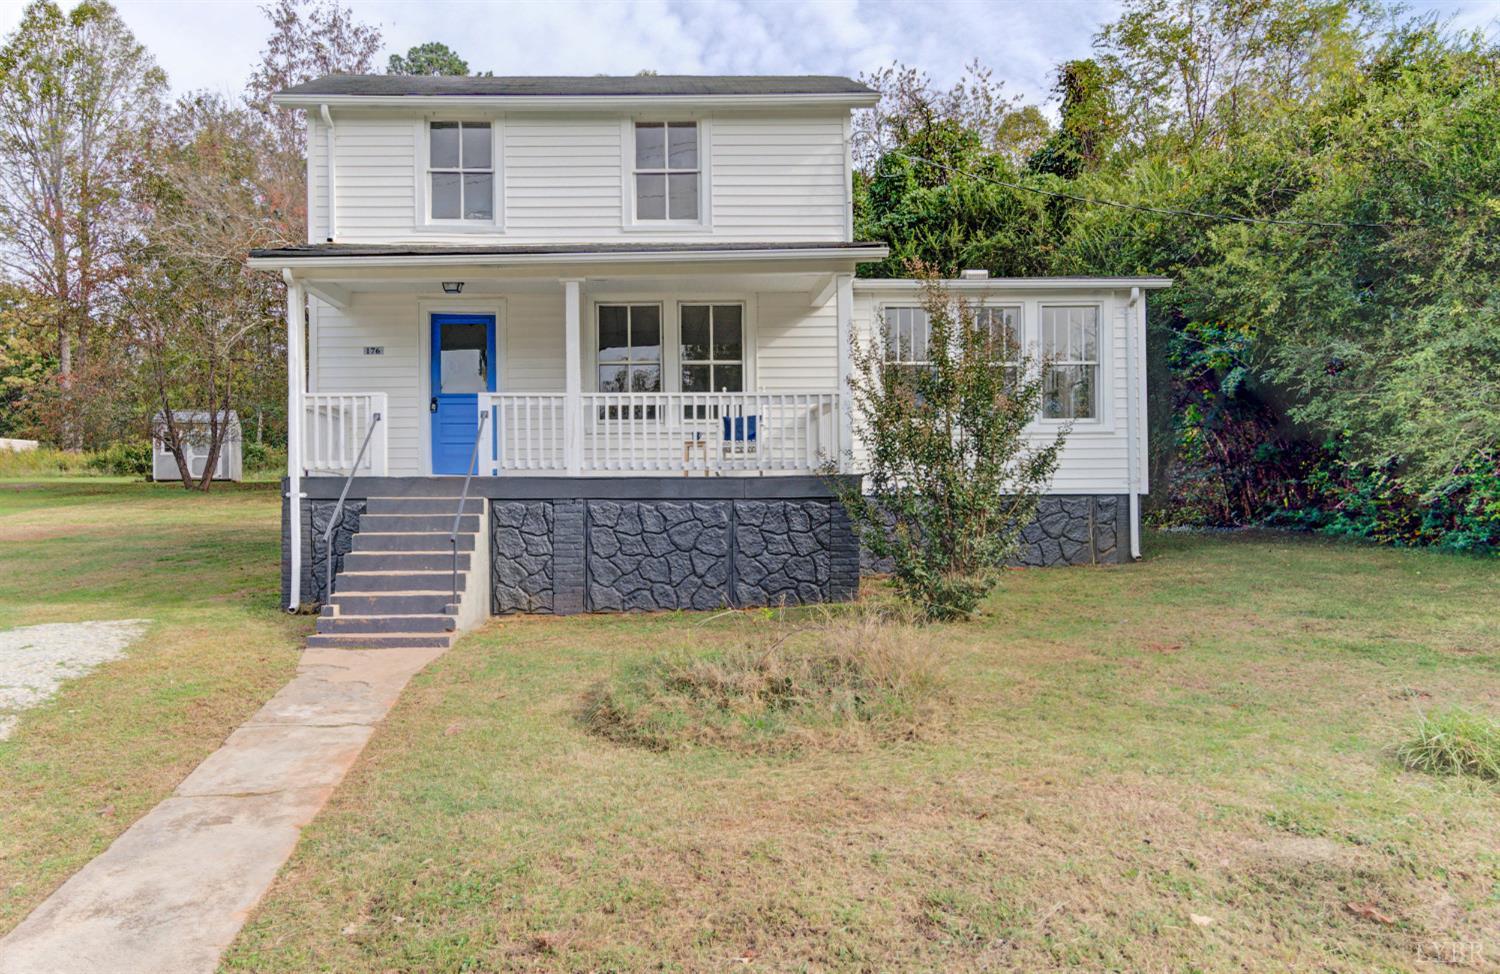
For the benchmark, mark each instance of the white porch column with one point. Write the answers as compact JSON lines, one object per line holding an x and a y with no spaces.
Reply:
{"x":844,"y":299}
{"x":572,"y":376}
{"x":296,"y":327}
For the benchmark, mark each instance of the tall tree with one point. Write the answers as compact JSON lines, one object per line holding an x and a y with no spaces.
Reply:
{"x":77,"y":95}
{"x":432,"y":58}
{"x":309,"y":39}
{"x":200,"y":320}
{"x":1198,"y":69}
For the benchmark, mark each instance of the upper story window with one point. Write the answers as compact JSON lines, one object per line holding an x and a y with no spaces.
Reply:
{"x":1070,"y":362}
{"x":461,"y":171}
{"x":666,"y":171}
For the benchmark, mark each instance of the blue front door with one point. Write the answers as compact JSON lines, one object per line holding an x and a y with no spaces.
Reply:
{"x":463,"y":365}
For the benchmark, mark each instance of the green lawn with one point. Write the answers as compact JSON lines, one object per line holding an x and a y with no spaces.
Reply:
{"x":203,"y":569}
{"x":1207,"y":734}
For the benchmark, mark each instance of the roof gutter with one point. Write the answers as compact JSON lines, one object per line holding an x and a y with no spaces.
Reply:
{"x":423,"y":102}
{"x":278,"y":261}
{"x":332,"y":175}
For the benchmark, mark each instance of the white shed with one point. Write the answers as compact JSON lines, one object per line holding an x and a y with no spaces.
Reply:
{"x":193,"y":426}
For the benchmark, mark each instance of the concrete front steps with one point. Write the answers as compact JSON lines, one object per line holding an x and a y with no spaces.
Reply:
{"x":395,"y":589}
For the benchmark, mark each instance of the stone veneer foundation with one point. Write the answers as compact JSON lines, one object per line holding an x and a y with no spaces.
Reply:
{"x":567,"y":545}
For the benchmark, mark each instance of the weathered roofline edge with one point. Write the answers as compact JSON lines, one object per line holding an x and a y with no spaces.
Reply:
{"x":580,"y":102}
{"x":277,"y":261}
{"x":964,"y":285}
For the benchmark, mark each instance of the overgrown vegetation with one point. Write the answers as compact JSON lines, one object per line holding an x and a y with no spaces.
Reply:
{"x":834,"y":680}
{"x":1320,"y":178}
{"x":1454,"y":742}
{"x":943,"y":406}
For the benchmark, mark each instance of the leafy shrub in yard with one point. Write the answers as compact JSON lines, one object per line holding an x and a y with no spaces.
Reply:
{"x":122,"y":460}
{"x":1454,"y":741}
{"x":842,"y":681}
{"x":953,"y":475}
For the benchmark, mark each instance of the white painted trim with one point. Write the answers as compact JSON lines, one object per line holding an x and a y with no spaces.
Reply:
{"x":1014,"y":284}
{"x":573,"y":375}
{"x":295,"y":324}
{"x":426,"y":308}
{"x":632,"y":103}
{"x":311,"y":177}
{"x":334,"y":294}
{"x":858,"y":254}
{"x":844,"y":291}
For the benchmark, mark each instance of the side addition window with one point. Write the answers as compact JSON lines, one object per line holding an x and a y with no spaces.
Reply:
{"x":666,"y":171}
{"x":1070,"y":362}
{"x":907,"y":333}
{"x":1003,"y":327}
{"x":460,"y":171}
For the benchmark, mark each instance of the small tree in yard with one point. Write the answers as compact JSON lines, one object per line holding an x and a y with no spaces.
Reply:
{"x":952,"y":476}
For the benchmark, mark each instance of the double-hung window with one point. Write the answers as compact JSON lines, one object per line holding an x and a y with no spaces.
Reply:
{"x":460,"y":171}
{"x":1002,"y":328}
{"x":666,"y":171}
{"x":1070,"y":362}
{"x":629,"y":355}
{"x":907,"y":334}
{"x":711,"y":352}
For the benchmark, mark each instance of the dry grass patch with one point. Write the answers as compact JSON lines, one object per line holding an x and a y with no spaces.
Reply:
{"x":839,"y":681}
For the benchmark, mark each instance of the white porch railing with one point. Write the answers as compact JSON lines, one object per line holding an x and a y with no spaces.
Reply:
{"x":526,"y":433}
{"x":334,"y":426}
{"x":685,"y":432}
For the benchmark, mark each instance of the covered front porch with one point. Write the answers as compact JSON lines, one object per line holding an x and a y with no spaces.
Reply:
{"x":614,"y":361}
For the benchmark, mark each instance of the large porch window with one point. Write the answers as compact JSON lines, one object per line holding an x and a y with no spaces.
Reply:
{"x":629,"y":354}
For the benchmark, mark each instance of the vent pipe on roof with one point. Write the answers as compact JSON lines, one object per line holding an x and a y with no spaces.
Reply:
{"x":974,"y":274}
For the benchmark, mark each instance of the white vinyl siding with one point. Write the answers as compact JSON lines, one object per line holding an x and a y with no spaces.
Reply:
{"x":568,"y":178}
{"x":778,"y":178}
{"x":562,"y":178}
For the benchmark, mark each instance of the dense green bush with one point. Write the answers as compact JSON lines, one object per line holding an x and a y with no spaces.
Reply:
{"x":122,"y":460}
{"x":1344,"y":287}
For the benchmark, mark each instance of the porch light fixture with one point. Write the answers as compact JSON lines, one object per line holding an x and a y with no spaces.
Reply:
{"x":453,"y":287}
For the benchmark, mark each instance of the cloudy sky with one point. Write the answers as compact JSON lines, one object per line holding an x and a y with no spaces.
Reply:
{"x":212,"y":43}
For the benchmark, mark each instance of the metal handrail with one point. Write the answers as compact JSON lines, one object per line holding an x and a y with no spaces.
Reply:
{"x":338,"y":509}
{"x":463,"y":499}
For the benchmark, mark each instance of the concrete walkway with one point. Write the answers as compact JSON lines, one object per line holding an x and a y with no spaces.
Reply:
{"x":169,"y":895}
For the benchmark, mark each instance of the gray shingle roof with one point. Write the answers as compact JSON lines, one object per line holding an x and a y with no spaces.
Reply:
{"x":379,"y":85}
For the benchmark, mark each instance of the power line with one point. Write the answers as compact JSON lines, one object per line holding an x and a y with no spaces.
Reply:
{"x":1160,"y":210}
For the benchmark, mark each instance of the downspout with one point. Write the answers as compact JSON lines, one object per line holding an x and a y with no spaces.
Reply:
{"x":1132,"y":419}
{"x":294,"y":312}
{"x":332,"y":173}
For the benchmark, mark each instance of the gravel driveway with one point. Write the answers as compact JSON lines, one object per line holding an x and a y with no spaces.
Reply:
{"x":35,"y":660}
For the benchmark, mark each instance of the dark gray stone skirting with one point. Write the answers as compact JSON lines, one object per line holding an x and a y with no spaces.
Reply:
{"x":653,"y":554}
{"x":1070,"y":529}
{"x":566,"y":545}
{"x":315,"y":515}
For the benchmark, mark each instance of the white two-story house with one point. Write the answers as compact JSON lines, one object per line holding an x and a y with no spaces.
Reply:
{"x":625,"y":306}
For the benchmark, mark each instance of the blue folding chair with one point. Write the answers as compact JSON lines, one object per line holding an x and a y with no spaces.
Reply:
{"x":739,"y":434}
